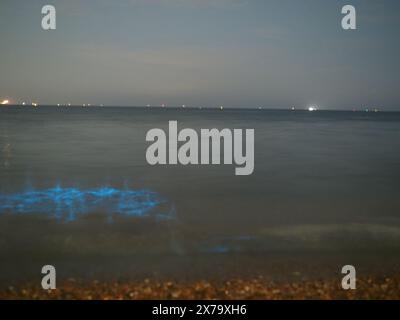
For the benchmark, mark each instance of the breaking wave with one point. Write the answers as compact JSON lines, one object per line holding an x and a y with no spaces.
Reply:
{"x":68,"y":204}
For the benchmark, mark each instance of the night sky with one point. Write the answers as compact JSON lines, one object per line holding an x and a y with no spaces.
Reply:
{"x":254,"y":53}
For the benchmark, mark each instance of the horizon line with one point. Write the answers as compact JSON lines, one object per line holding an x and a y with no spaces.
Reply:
{"x":36,"y":105}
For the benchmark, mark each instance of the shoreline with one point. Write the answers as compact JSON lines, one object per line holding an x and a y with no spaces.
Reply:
{"x":368,"y":288}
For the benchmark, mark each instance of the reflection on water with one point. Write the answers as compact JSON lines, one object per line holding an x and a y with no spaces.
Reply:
{"x":6,"y":151}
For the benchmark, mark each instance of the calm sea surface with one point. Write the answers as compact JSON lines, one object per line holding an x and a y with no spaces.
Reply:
{"x":76,"y":192}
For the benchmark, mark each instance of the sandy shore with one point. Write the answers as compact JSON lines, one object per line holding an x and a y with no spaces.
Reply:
{"x":258,"y":288}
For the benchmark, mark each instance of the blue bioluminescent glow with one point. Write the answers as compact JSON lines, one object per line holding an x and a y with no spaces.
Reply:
{"x":67,"y":204}
{"x":219,"y":249}
{"x":231,"y":244}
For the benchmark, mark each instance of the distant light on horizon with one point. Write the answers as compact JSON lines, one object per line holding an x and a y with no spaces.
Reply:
{"x":5,"y":102}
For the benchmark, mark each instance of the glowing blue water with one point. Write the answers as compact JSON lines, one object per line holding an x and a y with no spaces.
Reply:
{"x":68,"y":204}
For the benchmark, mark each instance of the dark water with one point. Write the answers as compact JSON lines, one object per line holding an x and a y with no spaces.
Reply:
{"x":76,"y":192}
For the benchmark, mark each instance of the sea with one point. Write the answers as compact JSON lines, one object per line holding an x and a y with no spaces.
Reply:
{"x":76,"y":192}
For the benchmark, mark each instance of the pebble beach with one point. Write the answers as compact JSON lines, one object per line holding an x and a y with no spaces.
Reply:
{"x":368,"y":288}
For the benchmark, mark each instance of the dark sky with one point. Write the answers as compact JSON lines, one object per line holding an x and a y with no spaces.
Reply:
{"x":238,"y":53}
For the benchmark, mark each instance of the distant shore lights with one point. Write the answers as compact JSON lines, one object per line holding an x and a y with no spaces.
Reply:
{"x":5,"y":102}
{"x":312,"y":108}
